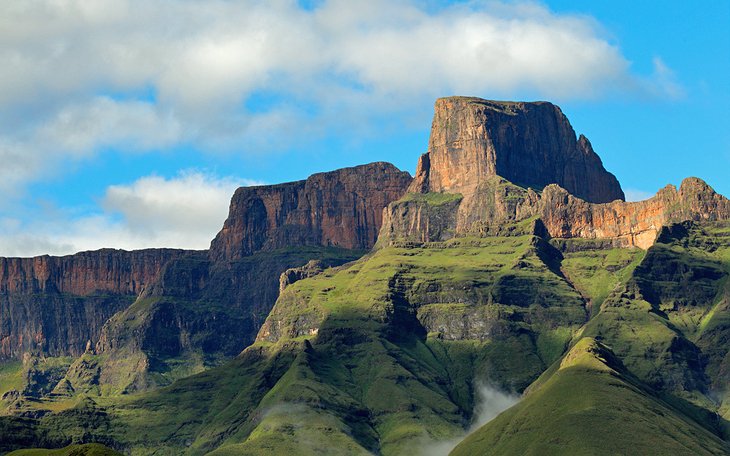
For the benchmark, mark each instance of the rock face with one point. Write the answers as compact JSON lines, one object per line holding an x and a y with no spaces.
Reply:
{"x":631,"y":224}
{"x":193,"y":302}
{"x":54,"y":305}
{"x":530,"y":144}
{"x":341,"y":208}
{"x":491,"y":164}
{"x":106,"y":270}
{"x":497,"y":205}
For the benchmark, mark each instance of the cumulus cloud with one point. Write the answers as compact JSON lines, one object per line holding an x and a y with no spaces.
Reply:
{"x":184,"y":212}
{"x":81,"y":75}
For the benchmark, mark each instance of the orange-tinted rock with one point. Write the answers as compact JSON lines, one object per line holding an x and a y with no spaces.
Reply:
{"x":496,"y":204}
{"x":631,"y":224}
{"x":339,"y":208}
{"x":530,"y":144}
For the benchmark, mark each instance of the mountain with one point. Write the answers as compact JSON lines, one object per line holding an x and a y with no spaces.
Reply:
{"x":610,"y":319}
{"x":140,"y":319}
{"x":591,"y":405}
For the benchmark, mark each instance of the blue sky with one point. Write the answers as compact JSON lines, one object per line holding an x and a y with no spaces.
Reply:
{"x":129,"y":123}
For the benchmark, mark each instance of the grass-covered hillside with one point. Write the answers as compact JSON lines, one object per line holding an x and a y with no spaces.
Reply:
{"x":618,"y":349}
{"x":590,"y":405}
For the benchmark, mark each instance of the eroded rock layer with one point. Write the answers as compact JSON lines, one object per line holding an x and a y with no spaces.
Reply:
{"x":55,"y":305}
{"x":496,"y":202}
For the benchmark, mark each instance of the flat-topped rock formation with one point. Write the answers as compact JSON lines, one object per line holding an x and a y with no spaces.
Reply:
{"x":340,"y":208}
{"x":529,"y":144}
{"x":492,"y":163}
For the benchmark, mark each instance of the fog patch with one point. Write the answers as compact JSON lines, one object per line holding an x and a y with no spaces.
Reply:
{"x":490,"y":402}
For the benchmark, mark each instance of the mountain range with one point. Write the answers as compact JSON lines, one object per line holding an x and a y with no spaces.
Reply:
{"x":504,"y":300}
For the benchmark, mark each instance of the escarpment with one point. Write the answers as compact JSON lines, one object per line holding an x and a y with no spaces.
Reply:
{"x":209,"y":302}
{"x":490,"y":164}
{"x":497,"y":204}
{"x":631,"y":224}
{"x":55,"y":305}
{"x":341,"y":208}
{"x":206,"y":308}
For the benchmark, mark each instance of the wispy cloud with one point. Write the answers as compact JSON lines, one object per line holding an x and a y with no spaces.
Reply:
{"x":664,"y":82}
{"x":490,"y":402}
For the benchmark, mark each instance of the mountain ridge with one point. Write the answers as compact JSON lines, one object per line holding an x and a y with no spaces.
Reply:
{"x":473,"y":278}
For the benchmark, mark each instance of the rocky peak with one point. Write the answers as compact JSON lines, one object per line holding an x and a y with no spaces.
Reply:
{"x":530,"y":144}
{"x":339,"y":208}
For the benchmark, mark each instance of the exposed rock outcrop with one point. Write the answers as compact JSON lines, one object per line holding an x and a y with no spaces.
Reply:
{"x":496,"y":206}
{"x":106,"y":270}
{"x":493,"y":164}
{"x":632,"y":224}
{"x":311,"y":269}
{"x":55,"y":305}
{"x":211,"y":301}
{"x":530,"y":144}
{"x":339,"y":208}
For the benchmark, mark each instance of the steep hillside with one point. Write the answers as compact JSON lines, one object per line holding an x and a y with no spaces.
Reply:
{"x":591,"y":405}
{"x":384,"y":356}
{"x":378,"y":356}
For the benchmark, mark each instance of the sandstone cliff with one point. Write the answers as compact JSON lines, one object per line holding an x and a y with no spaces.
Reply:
{"x":631,"y":224}
{"x":55,"y":305}
{"x":340,"y":208}
{"x":530,"y":144}
{"x":497,"y":205}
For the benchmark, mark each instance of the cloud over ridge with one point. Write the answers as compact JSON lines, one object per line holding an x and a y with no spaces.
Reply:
{"x":197,"y":70}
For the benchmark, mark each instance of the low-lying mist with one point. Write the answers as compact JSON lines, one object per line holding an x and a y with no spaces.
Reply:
{"x":490,"y":402}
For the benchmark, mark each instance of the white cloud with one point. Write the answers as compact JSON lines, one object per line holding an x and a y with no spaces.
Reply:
{"x":490,"y":402}
{"x":77,"y":131}
{"x":183,"y":212}
{"x":664,"y":82}
{"x":80,"y":75}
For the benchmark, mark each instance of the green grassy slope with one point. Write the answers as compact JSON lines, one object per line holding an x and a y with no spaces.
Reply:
{"x":381,"y":356}
{"x":377,"y":356}
{"x":591,"y":405}
{"x":90,"y":449}
{"x":670,"y":324}
{"x":196,"y":317}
